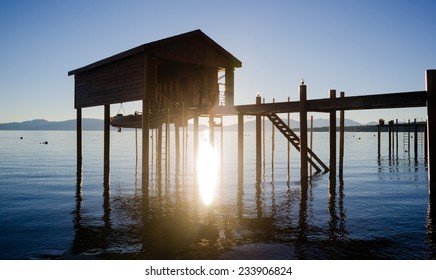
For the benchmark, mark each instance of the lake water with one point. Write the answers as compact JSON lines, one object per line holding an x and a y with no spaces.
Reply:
{"x":378,"y":210}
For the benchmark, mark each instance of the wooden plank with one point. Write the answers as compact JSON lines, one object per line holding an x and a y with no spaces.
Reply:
{"x":376,"y":101}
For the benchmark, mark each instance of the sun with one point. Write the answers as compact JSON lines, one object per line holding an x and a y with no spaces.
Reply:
{"x":207,"y":164}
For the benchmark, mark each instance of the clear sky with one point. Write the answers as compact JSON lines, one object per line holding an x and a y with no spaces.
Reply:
{"x":360,"y":47}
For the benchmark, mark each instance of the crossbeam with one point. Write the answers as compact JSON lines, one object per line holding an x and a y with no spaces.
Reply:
{"x":364,"y":102}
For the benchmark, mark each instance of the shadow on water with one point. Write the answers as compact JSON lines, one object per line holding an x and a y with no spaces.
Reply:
{"x":278,"y":222}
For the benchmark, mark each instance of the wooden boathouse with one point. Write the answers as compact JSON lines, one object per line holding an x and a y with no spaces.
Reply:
{"x":178,"y":79}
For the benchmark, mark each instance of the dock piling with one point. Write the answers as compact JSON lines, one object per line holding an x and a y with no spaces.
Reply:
{"x":240,"y":149}
{"x":332,"y":133}
{"x":79,"y":142}
{"x":341,"y":137}
{"x":431,"y":129}
{"x":258,"y":143}
{"x":106,"y":145}
{"x":303,"y":131}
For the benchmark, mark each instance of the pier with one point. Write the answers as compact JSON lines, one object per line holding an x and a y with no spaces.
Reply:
{"x":190,"y":76}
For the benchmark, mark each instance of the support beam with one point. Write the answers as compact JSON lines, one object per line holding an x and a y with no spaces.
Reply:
{"x":341,"y":138}
{"x":431,"y":129}
{"x":415,"y":140}
{"x":303,"y":131}
{"x":332,"y":133}
{"x":106,"y":146}
{"x":379,"y":128}
{"x":363,"y":102}
{"x":258,"y":143}
{"x":79,"y":142}
{"x":177,"y":148}
{"x":240,"y":149}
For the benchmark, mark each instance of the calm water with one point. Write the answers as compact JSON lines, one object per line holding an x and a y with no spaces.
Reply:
{"x":378,"y":210}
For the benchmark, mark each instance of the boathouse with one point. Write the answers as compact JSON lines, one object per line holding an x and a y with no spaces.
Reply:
{"x":176,"y":78}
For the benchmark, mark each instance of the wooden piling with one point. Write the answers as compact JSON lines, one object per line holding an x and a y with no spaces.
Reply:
{"x":431,"y":129}
{"x":311,"y":142}
{"x":408,"y":137}
{"x":415,"y":142}
{"x":390,"y":126}
{"x":106,"y":145}
{"x":272,"y":147}
{"x":303,"y":131}
{"x":196,"y":132}
{"x":341,"y":137}
{"x":289,"y":145}
{"x":159,"y":152}
{"x":425,"y":142}
{"x":79,"y":142}
{"x":396,"y":137}
{"x":177,"y":148}
{"x":332,"y":132}
{"x":240,"y":149}
{"x":379,"y":128}
{"x":263,"y":143}
{"x":258,"y":144}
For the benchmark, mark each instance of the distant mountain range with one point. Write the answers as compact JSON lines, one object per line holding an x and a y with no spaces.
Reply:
{"x":39,"y":124}
{"x":98,"y":124}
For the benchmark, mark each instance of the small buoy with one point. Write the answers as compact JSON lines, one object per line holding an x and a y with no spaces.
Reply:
{"x":360,"y":138}
{"x":44,"y":143}
{"x":21,"y":137}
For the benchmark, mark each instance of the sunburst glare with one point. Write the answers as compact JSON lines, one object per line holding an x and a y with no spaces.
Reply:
{"x":207,"y":164}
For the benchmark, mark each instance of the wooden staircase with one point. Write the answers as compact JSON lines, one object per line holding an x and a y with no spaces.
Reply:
{"x":295,"y":140}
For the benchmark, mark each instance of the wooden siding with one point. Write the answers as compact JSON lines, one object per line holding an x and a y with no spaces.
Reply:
{"x":119,"y":81}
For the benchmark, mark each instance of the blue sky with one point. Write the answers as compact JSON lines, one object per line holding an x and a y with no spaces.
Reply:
{"x":360,"y":47}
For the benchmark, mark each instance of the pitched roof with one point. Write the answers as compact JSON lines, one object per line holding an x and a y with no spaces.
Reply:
{"x":172,"y":48}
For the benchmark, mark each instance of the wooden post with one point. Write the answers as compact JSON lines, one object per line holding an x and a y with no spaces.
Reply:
{"x":425,"y":142}
{"x":263,"y":143}
{"x":379,"y":128}
{"x":177,"y":148}
{"x":258,"y":144}
{"x":396,"y":137}
{"x":272,"y":146}
{"x":311,"y":141}
{"x":106,"y":146}
{"x":159,"y":153}
{"x":240,"y":149}
{"x":289,"y":145}
{"x":431,"y":129}
{"x":150,"y":74}
{"x":415,"y":142}
{"x":390,"y":137}
{"x":303,"y":131}
{"x":341,"y":138}
{"x":167,"y":146}
{"x":408,"y":137}
{"x":332,"y":129}
{"x":79,"y":143}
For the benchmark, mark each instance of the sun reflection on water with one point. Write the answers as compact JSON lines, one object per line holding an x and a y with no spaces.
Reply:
{"x":207,"y":166}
